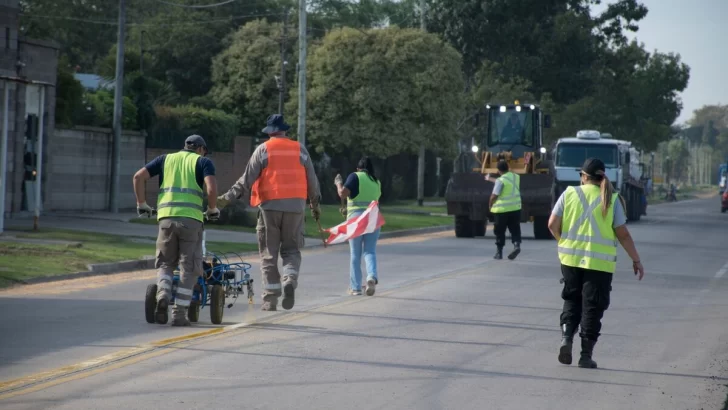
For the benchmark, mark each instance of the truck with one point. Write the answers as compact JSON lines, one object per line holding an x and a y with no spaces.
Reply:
{"x":621,"y":161}
{"x":514,"y":133}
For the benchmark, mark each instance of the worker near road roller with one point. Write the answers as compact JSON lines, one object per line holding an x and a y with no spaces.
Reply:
{"x":182,"y":176}
{"x":278,"y":179}
{"x":505,"y":204}
{"x":587,"y":221}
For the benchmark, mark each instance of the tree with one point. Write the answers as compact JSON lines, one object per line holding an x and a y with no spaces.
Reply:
{"x":677,"y":150}
{"x":382,"y":92}
{"x":69,"y":94}
{"x":244,"y":73}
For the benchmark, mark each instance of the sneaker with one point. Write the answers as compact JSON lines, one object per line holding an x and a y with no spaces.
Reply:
{"x":371,"y":286}
{"x":288,"y":295}
{"x":353,"y":292}
{"x":160,"y":316}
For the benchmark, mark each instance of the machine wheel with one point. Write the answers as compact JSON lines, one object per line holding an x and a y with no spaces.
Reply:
{"x":463,"y":227}
{"x":479,"y":228}
{"x":193,"y":312}
{"x":150,"y":303}
{"x":217,"y":304}
{"x":541,"y":228}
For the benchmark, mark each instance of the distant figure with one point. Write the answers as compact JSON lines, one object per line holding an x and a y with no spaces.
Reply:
{"x":512,"y":133}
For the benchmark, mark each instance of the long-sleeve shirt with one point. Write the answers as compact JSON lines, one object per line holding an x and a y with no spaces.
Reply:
{"x":258,"y":162}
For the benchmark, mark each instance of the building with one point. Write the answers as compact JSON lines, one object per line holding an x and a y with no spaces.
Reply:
{"x":23,"y":62}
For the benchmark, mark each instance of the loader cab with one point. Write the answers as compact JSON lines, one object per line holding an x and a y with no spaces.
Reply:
{"x":515,"y":128}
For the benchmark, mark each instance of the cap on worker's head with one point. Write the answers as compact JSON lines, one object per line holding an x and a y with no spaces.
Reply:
{"x":502,"y":165}
{"x":592,"y":166}
{"x":196,"y":140}
{"x":275,"y":124}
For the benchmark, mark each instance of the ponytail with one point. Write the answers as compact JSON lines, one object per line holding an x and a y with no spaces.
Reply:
{"x":607,"y":190}
{"x":366,"y":164}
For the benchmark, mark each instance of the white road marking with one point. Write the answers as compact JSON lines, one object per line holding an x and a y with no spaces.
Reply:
{"x":722,"y":271}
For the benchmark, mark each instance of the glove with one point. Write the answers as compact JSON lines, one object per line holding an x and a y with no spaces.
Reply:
{"x":315,"y":211}
{"x":144,"y":210}
{"x":342,"y":211}
{"x":212,"y":214}
{"x":338,"y":180}
{"x":222,"y":202}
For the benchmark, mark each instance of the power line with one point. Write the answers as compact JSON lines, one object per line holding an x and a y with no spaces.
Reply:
{"x":115,"y":23}
{"x":204,"y":6}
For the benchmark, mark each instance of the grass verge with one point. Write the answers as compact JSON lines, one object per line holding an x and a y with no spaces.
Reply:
{"x":36,"y":254}
{"x":331,"y":217}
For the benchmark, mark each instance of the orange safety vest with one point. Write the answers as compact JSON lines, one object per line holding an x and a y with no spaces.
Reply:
{"x":284,"y":177}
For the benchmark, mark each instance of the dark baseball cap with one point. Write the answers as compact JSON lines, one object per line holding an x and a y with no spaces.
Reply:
{"x":592,"y":166}
{"x":196,"y":140}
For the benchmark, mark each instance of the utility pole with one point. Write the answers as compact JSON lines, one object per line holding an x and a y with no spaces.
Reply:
{"x":302,"y":72}
{"x":284,"y":63}
{"x":421,"y":157}
{"x":118,"y":95}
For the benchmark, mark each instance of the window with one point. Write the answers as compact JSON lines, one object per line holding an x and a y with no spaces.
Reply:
{"x":574,"y":155}
{"x":511,"y":127}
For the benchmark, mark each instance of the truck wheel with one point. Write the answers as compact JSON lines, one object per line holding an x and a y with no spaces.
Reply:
{"x":541,"y":228}
{"x":217,"y":304}
{"x":723,"y":210}
{"x":150,"y":303}
{"x":479,"y":228}
{"x":463,"y":227}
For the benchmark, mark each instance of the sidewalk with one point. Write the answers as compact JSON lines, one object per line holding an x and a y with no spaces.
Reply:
{"x":117,"y":224}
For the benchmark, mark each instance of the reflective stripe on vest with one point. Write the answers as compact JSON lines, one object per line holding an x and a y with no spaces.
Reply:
{"x":589,"y":241}
{"x":509,"y":199}
{"x":368,"y":191}
{"x":180,"y":195}
{"x":284,"y":177}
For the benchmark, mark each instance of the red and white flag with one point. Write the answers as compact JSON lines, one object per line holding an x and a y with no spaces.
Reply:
{"x":367,"y":222}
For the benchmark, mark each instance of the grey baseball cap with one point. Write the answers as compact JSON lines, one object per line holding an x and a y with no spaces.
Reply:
{"x":196,"y":140}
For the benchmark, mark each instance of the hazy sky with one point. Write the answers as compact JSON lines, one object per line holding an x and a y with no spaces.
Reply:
{"x":696,"y":30}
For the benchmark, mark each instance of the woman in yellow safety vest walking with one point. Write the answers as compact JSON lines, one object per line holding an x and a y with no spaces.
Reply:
{"x":361,"y":188}
{"x":587,"y":221}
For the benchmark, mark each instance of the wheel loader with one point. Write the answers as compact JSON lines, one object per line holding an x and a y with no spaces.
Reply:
{"x":514,"y":133}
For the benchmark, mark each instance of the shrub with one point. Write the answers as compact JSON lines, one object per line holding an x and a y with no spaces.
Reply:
{"x":172,"y":123}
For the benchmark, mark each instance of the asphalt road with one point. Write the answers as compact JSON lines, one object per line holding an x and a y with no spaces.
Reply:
{"x":448,"y":328}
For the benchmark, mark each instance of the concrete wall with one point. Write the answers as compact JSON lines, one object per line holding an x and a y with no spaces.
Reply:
{"x":229,"y":166}
{"x":80,"y":169}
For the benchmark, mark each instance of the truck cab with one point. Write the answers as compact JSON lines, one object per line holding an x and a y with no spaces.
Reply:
{"x":621,"y":161}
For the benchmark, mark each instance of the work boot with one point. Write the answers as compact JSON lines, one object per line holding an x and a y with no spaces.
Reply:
{"x":515,"y":252}
{"x":371,"y":286}
{"x":567,"y":340}
{"x":179,"y":316}
{"x":587,"y":347}
{"x":160,"y":315}
{"x":498,"y":254}
{"x":289,"y":290}
{"x":270,"y":305}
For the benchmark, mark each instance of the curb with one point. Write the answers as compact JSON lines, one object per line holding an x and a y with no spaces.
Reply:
{"x":101,"y":269}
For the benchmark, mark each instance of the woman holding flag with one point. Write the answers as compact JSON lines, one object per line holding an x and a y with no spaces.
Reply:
{"x":362,"y":190}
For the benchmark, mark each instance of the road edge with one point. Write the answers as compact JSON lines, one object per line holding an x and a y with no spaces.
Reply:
{"x":147,"y":262}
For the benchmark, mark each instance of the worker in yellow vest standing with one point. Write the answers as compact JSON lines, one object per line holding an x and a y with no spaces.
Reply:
{"x":278,"y":179}
{"x":588,"y":221}
{"x":505,"y":204}
{"x":182,"y":176}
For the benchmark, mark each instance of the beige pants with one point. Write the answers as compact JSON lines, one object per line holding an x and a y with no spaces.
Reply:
{"x":279,"y":232}
{"x":179,"y":243}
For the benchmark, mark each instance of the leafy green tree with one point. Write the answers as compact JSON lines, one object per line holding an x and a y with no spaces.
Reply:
{"x":69,"y":94}
{"x":244,"y":74}
{"x":383,"y":91}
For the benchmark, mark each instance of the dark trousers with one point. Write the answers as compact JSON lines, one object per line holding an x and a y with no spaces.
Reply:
{"x":511,"y":221}
{"x":586,"y":297}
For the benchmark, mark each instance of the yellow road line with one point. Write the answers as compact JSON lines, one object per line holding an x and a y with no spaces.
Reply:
{"x":44,"y":380}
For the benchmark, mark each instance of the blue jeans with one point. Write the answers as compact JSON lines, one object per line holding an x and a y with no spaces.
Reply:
{"x":366,"y":244}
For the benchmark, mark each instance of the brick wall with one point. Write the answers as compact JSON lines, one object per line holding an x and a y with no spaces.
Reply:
{"x":79,"y":174}
{"x":229,"y":166}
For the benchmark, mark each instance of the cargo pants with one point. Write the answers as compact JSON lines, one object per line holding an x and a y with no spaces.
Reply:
{"x":586,"y":297}
{"x":179,"y":243}
{"x":279,"y":233}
